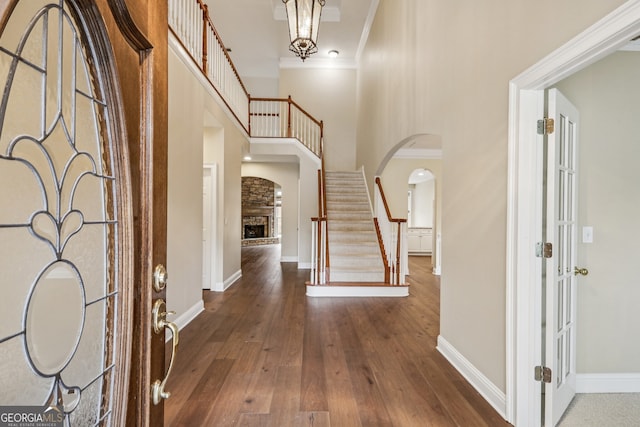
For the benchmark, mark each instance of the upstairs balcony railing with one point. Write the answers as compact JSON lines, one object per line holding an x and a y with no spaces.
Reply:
{"x":191,"y":24}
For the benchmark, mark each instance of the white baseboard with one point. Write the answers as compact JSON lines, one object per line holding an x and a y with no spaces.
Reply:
{"x":608,"y":383}
{"x":487,"y":389}
{"x":185,"y":318}
{"x":288,"y":259}
{"x":223,"y":286}
{"x":437,"y":271}
{"x":304,"y":265}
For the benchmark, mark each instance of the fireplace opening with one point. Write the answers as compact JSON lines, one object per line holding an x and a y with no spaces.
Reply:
{"x":253,"y":231}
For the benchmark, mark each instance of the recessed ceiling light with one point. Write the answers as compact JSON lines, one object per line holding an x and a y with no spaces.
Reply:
{"x":333,"y":53}
{"x":247,"y":158}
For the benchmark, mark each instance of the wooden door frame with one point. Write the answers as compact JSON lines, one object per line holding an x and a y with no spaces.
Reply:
{"x":524,"y":205}
{"x":138,"y":30}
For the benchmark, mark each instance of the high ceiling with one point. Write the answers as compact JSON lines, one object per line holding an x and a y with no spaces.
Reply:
{"x":256,"y":32}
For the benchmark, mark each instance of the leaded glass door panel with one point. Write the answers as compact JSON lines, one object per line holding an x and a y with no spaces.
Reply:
{"x":65,"y":216}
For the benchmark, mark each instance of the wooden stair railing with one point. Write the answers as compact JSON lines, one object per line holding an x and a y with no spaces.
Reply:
{"x":192,"y":26}
{"x":390,"y":236}
{"x":321,"y":266}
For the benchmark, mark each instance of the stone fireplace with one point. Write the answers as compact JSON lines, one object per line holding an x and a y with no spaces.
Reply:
{"x":258,"y":210}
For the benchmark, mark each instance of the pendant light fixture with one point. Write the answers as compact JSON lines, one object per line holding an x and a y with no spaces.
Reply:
{"x":303,"y":17}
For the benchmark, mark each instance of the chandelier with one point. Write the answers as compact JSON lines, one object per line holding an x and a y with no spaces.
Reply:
{"x":304,"y":20}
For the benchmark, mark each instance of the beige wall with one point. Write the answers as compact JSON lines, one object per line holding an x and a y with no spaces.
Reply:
{"x":184,"y":192}
{"x":607,"y":94}
{"x":443,"y":68}
{"x":287,"y":176}
{"x":196,"y":121}
{"x":328,"y":95}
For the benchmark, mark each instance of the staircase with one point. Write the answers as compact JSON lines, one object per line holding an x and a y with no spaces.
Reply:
{"x":353,"y":242}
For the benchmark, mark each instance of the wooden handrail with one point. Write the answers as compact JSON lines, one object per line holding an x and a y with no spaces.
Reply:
{"x":324,"y":210}
{"x":391,"y":219}
{"x":292,"y":102}
{"x":386,"y":205}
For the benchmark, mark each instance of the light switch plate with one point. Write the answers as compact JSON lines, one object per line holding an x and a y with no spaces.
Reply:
{"x":587,"y":234}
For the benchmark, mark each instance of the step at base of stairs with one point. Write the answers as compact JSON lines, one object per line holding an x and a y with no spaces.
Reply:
{"x":356,"y":275}
{"x":361,"y":289}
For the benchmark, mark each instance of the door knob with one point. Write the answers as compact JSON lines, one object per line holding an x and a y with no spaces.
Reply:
{"x":581,"y":271}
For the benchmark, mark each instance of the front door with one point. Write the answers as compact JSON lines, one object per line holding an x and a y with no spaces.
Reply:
{"x":559,"y":282}
{"x":76,"y":214}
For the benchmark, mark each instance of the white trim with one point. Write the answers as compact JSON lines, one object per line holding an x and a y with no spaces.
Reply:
{"x":357,"y":291}
{"x":437,"y":271}
{"x":289,"y":258}
{"x":477,"y":379}
{"x":608,"y":383}
{"x":268,"y":143}
{"x":368,"y":23}
{"x":185,"y":318}
{"x":523,"y":213}
{"x":223,"y":286}
{"x":304,"y":265}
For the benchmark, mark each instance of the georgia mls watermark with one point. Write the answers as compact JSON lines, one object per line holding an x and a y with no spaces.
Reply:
{"x":31,"y":416}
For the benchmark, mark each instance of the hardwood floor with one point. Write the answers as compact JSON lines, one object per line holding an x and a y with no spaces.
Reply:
{"x":264,"y":354}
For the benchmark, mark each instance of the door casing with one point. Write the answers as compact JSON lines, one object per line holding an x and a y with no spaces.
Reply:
{"x":524,"y":204}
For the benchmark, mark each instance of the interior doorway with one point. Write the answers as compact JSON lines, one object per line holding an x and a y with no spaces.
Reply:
{"x":525,"y":213}
{"x":421,"y":153}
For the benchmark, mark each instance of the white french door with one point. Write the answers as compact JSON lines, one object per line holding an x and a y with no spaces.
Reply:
{"x":559,"y":280}
{"x":209,"y":221}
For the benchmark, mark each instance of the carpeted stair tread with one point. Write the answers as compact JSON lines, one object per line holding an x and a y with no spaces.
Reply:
{"x":353,"y":242}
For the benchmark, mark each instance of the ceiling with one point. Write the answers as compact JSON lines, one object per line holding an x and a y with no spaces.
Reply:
{"x":257,"y":34}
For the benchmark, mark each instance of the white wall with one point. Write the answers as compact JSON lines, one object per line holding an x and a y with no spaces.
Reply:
{"x":328,"y":95}
{"x":443,"y":68}
{"x":287,"y":176}
{"x":607,"y":95}
{"x":422,"y":203}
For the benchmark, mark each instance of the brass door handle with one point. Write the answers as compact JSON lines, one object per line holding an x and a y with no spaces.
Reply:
{"x":160,"y":322}
{"x":581,"y":271}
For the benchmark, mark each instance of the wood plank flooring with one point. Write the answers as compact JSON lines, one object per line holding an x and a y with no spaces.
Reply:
{"x":264,"y":354}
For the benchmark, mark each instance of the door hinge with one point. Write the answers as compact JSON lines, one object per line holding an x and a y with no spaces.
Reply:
{"x":546,"y":126}
{"x":543,"y":374}
{"x":544,"y":250}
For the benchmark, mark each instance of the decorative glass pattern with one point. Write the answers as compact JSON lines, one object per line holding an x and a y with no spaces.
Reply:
{"x":58,"y":228}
